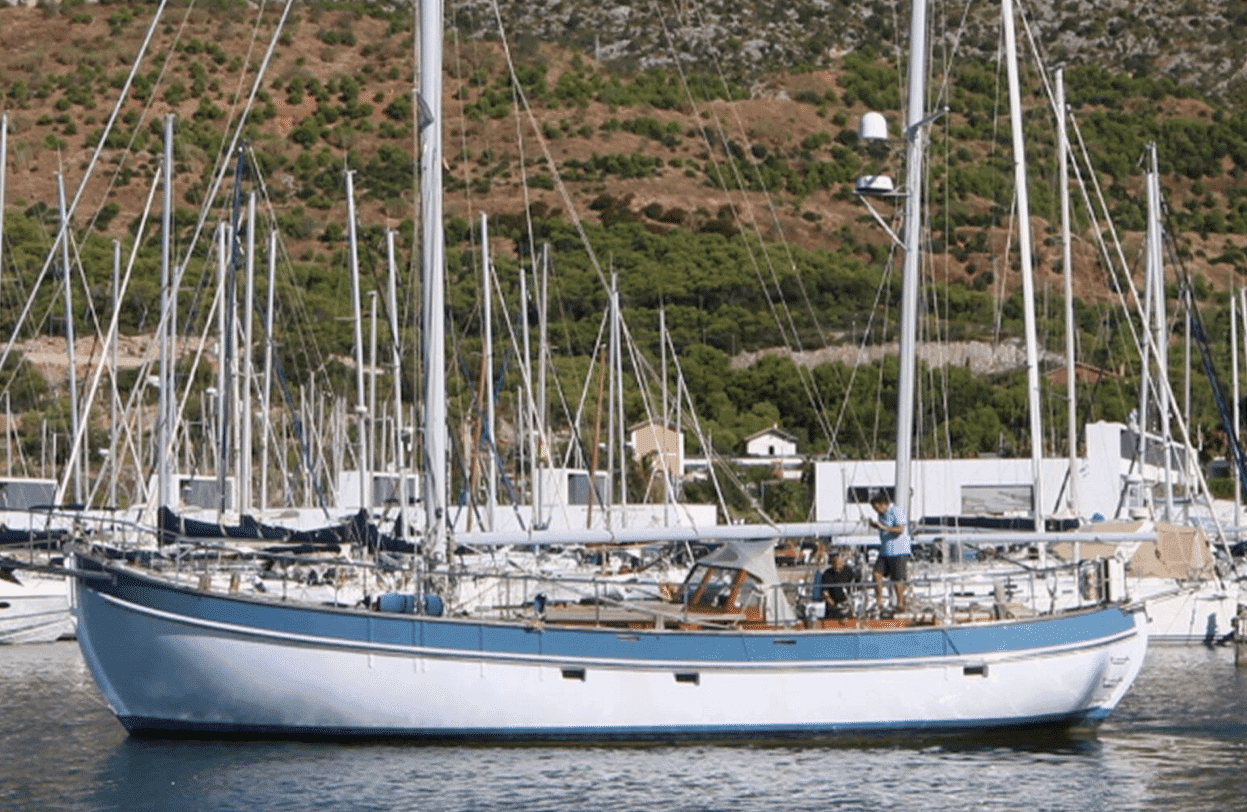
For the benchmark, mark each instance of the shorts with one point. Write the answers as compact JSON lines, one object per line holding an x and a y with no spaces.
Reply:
{"x":892,"y":567}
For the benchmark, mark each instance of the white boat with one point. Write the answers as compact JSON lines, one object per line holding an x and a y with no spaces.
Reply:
{"x":34,"y":607}
{"x":727,"y":659}
{"x":1176,"y":576}
{"x":1169,"y":568}
{"x":34,"y":596}
{"x":729,"y":655}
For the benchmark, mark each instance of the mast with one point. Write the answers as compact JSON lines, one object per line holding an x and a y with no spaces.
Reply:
{"x":528,"y":409}
{"x":1071,"y":404}
{"x":113,"y":396}
{"x":226,"y":358}
{"x":76,"y":460}
{"x":915,"y":119}
{"x":487,"y":363}
{"x":229,"y":307}
{"x":433,"y":257}
{"x":667,"y":477}
{"x":1024,"y":249}
{"x":543,"y":351}
{"x":372,"y":380}
{"x":1234,"y":390}
{"x":163,"y":483}
{"x":266,"y":409}
{"x":396,"y":361}
{"x":4,"y":161}
{"x":1156,"y":277}
{"x":361,"y":408}
{"x":244,"y":414}
{"x":613,"y":398}
{"x":1242,"y":313}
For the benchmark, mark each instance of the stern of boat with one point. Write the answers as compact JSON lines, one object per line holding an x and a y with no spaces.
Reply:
{"x":1123,"y":661}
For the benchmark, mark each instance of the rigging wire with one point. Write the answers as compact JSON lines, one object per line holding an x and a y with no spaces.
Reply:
{"x":785,"y":323}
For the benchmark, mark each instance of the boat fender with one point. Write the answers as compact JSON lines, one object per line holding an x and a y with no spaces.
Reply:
{"x":539,"y":604}
{"x":432,"y":605}
{"x":397,"y":602}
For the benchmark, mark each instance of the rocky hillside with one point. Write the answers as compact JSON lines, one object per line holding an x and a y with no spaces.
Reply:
{"x":707,"y":151}
{"x":1197,"y":43}
{"x":754,"y":134}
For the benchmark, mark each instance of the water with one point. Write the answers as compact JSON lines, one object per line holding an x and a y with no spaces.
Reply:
{"x":1175,"y":743}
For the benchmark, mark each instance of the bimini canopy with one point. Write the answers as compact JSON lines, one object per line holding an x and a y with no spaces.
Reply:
{"x":756,"y":557}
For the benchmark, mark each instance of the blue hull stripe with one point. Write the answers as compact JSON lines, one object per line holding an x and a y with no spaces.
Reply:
{"x":450,"y":636}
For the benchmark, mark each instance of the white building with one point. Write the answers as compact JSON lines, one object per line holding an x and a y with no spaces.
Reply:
{"x":1109,"y":482}
{"x":771,"y":442}
{"x":776,"y":449}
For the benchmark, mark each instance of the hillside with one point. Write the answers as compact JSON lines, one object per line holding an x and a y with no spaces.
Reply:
{"x":641,"y":146}
{"x":719,"y":183}
{"x":1195,"y":43}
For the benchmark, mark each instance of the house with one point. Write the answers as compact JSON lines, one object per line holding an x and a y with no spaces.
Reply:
{"x":653,"y":438}
{"x":771,"y":442}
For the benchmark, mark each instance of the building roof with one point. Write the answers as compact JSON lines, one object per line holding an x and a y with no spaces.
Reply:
{"x":774,"y":430}
{"x":644,"y":424}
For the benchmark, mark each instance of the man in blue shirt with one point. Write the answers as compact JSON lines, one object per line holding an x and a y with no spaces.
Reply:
{"x":894,"y":549}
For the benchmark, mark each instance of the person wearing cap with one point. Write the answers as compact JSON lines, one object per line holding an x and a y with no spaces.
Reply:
{"x":834,"y":582}
{"x":894,"y":549}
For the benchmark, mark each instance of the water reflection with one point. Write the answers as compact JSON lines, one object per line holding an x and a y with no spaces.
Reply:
{"x":1176,"y":743}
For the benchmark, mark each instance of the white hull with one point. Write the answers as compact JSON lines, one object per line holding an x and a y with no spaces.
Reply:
{"x":36,"y":611}
{"x":1202,"y":613}
{"x":286,"y":671}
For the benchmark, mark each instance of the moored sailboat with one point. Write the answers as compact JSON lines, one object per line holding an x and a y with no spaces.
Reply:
{"x":723,"y":660}
{"x":729,"y":654}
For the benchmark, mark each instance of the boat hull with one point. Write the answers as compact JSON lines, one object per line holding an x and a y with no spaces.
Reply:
{"x":170,"y":660}
{"x":1200,"y":613}
{"x":35,"y":611}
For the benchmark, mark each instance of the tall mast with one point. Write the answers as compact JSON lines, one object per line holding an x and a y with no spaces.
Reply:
{"x":433,"y":256}
{"x":396,"y":362}
{"x":528,"y":421}
{"x":244,"y":404}
{"x":1234,"y":390}
{"x":266,"y":410}
{"x":4,"y":160}
{"x":1156,"y":273}
{"x":112,"y":401}
{"x":75,"y":460}
{"x":224,"y":378}
{"x":357,"y":314}
{"x":164,"y":485}
{"x":543,"y":351}
{"x":487,"y":363}
{"x":1071,"y":410}
{"x":1024,"y":249}
{"x":913,"y":241}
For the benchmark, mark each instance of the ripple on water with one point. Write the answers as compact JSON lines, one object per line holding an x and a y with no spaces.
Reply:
{"x":1176,"y":743}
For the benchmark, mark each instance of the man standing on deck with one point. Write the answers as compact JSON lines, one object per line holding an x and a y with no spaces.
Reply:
{"x":894,"y":549}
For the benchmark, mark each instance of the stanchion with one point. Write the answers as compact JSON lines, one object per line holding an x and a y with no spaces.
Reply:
{"x":1240,"y":637}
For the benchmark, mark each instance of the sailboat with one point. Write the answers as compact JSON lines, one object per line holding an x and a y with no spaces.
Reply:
{"x":34,"y":596}
{"x":1123,"y":498}
{"x":727,"y":654}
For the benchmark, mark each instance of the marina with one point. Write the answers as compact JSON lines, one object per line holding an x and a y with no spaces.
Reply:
{"x":413,"y":646}
{"x":1176,"y":742}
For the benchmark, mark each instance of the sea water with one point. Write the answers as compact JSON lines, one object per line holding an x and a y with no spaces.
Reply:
{"x":1178,"y":741}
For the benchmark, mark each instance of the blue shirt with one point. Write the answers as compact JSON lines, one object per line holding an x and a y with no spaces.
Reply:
{"x":894,"y":543}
